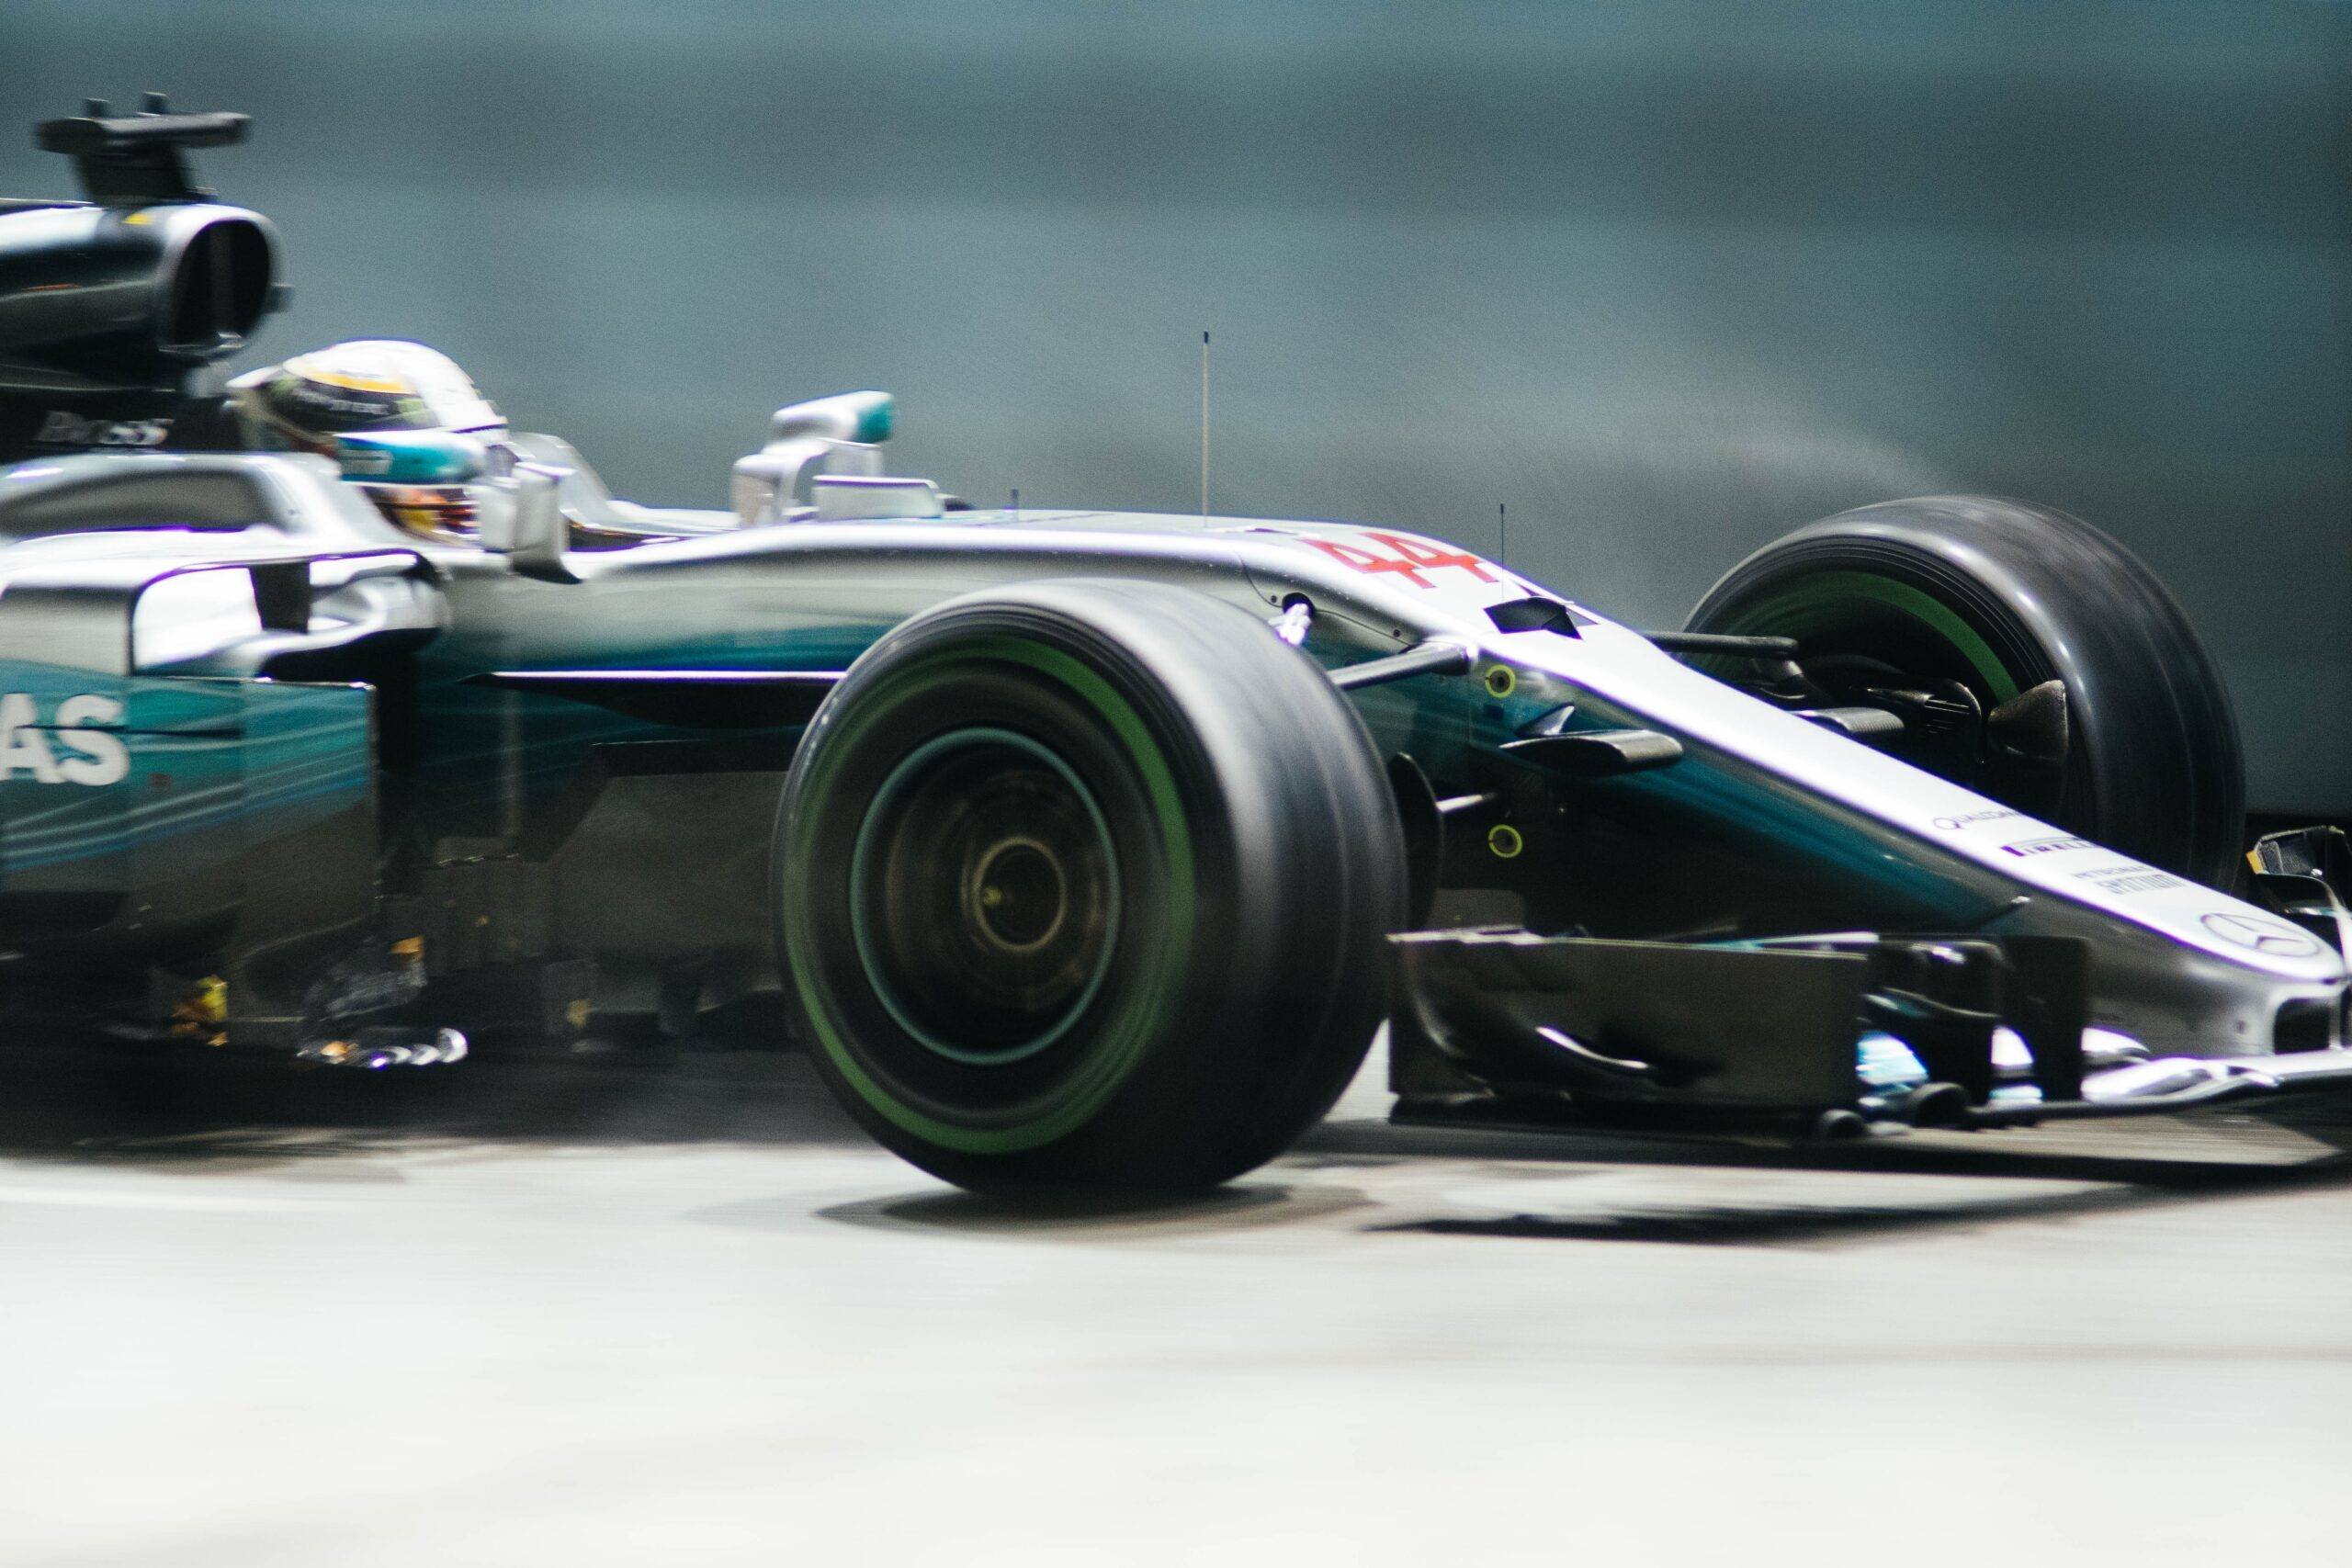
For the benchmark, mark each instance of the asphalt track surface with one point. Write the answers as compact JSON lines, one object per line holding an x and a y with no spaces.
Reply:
{"x":655,"y":1309}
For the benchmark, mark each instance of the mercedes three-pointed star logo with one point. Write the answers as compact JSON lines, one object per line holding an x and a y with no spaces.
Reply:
{"x":2262,"y":935}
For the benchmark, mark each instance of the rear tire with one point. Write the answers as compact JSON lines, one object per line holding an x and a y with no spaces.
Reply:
{"x":2003,"y":596}
{"x":1085,"y":885}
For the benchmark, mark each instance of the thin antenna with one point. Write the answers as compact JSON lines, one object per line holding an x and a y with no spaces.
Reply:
{"x":1204,"y":423}
{"x":1502,"y":534}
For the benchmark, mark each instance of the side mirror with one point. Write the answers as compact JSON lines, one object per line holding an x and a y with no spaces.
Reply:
{"x":864,"y":417}
{"x":526,"y":523}
{"x":840,"y":434}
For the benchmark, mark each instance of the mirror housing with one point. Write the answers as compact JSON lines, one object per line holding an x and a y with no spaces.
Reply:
{"x":840,"y":434}
{"x":524,"y":523}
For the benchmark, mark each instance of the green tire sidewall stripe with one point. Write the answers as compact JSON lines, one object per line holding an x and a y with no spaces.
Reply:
{"x":1788,"y":611}
{"x":1138,"y":1017}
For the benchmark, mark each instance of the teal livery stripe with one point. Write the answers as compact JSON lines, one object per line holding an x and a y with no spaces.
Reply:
{"x":233,"y":763}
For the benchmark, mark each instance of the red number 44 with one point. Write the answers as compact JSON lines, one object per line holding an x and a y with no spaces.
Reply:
{"x":1410,"y":558}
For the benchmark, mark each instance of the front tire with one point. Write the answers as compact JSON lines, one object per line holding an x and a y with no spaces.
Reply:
{"x":2001,"y":597}
{"x":1085,"y":885}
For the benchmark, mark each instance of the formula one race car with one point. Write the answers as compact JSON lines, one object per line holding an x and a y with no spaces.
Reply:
{"x":1089,"y":848}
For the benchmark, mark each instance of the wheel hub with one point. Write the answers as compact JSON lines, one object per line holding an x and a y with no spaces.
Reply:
{"x":1018,"y":894}
{"x":984,"y":892}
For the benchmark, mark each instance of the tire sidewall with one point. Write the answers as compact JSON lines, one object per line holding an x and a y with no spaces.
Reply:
{"x":2155,"y":769}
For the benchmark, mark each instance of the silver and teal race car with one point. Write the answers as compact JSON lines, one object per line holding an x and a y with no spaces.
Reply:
{"x":1087,"y":848}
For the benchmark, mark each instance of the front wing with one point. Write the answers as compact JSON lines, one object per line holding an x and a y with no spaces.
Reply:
{"x":1837,"y":1034}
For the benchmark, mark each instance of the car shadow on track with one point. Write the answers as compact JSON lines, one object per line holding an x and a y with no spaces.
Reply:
{"x":193,"y":1110}
{"x":1251,"y":1204}
{"x":1734,"y":1225}
{"x":1379,"y":1178}
{"x":2213,"y":1149}
{"x":2113,"y":1167}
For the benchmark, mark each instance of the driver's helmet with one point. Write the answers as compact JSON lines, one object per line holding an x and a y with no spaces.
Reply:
{"x":351,"y":402}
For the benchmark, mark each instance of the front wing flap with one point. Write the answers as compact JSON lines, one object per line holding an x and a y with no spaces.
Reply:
{"x":1995,"y":1029}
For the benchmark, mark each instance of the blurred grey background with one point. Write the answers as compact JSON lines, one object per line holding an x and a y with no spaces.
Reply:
{"x":1668,"y":279}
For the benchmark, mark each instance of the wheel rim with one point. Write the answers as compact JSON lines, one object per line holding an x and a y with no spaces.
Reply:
{"x":1008,"y":680}
{"x":984,"y":895}
{"x":1829,"y":607}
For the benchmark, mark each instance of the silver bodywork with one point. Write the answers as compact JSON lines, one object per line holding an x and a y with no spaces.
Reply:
{"x":2179,"y":965}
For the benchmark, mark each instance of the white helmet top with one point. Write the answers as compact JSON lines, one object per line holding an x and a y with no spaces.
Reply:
{"x":369,"y":384}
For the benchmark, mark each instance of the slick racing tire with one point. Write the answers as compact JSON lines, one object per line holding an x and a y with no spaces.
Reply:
{"x":2002,"y":597}
{"x":1085,"y":885}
